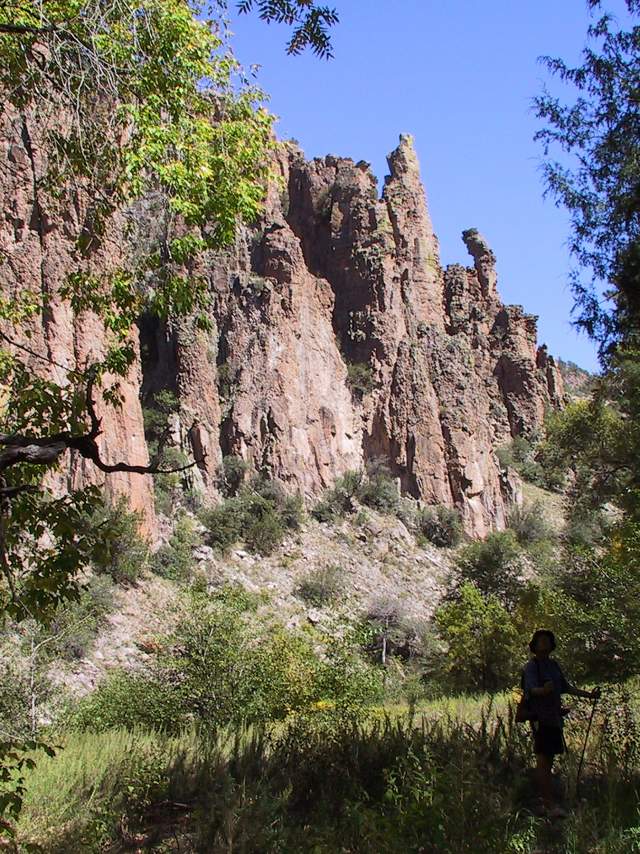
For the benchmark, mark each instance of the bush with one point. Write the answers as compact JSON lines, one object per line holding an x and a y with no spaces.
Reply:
{"x":593,"y":602}
{"x":440,"y":525}
{"x":321,"y":586}
{"x":259,"y":515}
{"x":585,"y":529}
{"x":515,"y":453}
{"x":175,"y":559}
{"x":75,"y":625}
{"x":360,"y":378}
{"x":219,"y":666}
{"x":128,"y":700}
{"x":529,"y":524}
{"x":373,"y":487}
{"x":167,"y":486}
{"x":538,"y":464}
{"x":231,"y":475}
{"x":289,"y":507}
{"x":339,"y":500}
{"x":292,"y":512}
{"x":119,"y":551}
{"x":390,"y":631}
{"x":494,"y":566}
{"x":15,"y":699}
{"x":263,"y":528}
{"x":155,"y":414}
{"x":224,"y":524}
{"x":378,"y":489}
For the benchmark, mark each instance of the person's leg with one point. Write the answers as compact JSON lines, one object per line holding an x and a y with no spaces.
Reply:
{"x":544,"y":764}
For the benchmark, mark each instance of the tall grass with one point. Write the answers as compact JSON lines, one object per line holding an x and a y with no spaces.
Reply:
{"x":451,"y":780}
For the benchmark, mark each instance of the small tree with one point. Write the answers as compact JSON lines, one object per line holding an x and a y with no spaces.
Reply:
{"x":481,"y":640}
{"x":119,"y":550}
{"x":494,"y":566}
{"x":384,"y":615}
{"x":232,"y":474}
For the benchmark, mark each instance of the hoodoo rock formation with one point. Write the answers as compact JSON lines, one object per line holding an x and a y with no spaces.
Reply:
{"x":337,"y":338}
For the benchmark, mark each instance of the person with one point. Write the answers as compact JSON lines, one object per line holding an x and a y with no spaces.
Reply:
{"x":544,"y":683}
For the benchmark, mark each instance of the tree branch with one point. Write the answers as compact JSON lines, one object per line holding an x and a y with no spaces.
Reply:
{"x":25,"y":29}
{"x":31,"y":352}
{"x":45,"y":450}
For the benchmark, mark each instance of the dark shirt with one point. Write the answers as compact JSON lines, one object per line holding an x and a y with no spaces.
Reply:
{"x":547,"y":708}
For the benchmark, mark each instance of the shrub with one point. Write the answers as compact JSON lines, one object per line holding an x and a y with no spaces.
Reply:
{"x":321,"y":586}
{"x":167,"y":486}
{"x":289,"y":507}
{"x":494,"y":566}
{"x":220,"y":666}
{"x":440,"y":525}
{"x":529,"y":524}
{"x":128,"y":700}
{"x":373,"y":487}
{"x":594,"y":604}
{"x":156,"y":414}
{"x":231,"y":475}
{"x":360,"y":378}
{"x":515,"y":453}
{"x":585,"y":529}
{"x":539,"y":463}
{"x":390,"y":630}
{"x":75,"y":625}
{"x":408,"y":513}
{"x":378,"y":489}
{"x":14,"y":700}
{"x":263,"y":528}
{"x":119,"y":551}
{"x":292,"y":512}
{"x":175,"y":559}
{"x":339,"y":500}
{"x":224,"y":524}
{"x":259,"y":516}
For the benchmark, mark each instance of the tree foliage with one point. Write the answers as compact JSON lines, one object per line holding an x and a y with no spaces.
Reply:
{"x":481,"y":639}
{"x":596,"y":172}
{"x":120,"y":99}
{"x":311,"y":22}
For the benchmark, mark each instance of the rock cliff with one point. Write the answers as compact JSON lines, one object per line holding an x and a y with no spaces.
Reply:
{"x":336,"y":338}
{"x":339,"y":339}
{"x":38,"y":249}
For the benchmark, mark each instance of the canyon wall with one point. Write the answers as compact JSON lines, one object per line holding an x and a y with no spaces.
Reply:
{"x":337,"y":338}
{"x":340,"y":339}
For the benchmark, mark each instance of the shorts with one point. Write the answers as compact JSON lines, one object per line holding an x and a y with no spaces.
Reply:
{"x":548,"y":740}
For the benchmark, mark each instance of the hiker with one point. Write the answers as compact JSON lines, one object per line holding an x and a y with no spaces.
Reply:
{"x":544,"y":683}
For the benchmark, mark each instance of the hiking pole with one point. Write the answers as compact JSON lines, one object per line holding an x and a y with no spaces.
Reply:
{"x":584,"y":747}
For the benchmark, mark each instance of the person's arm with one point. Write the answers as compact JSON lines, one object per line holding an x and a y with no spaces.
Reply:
{"x":573,"y":691}
{"x":578,"y":692}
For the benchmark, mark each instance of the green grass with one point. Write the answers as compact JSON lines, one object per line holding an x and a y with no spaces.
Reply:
{"x":453,"y":778}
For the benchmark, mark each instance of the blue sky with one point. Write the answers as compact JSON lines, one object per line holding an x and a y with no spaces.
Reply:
{"x":460,"y":76}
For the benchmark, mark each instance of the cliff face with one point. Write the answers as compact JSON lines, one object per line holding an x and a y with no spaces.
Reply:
{"x":335,"y":283}
{"x":38,"y":249}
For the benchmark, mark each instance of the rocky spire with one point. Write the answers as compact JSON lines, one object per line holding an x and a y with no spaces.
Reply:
{"x":484,"y":260}
{"x":417,"y":250}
